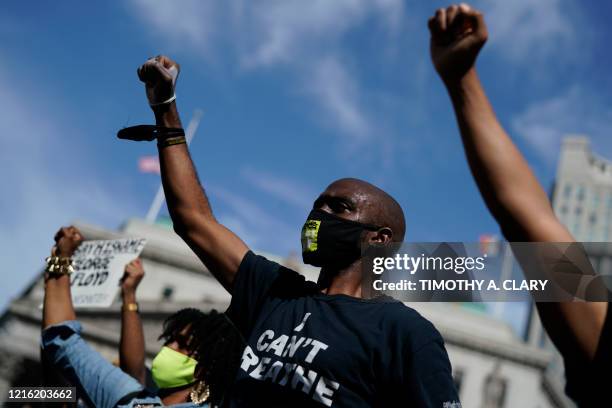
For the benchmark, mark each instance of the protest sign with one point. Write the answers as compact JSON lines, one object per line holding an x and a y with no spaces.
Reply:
{"x":98,"y":267}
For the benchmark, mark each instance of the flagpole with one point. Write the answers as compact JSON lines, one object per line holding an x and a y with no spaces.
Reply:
{"x":159,"y":199}
{"x":506,"y":273}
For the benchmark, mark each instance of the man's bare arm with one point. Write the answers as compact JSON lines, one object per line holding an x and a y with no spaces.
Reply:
{"x":132,"y":342}
{"x":510,"y":189}
{"x":218,"y":248}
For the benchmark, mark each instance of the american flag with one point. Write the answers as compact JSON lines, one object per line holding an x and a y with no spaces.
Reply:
{"x":149,"y":164}
{"x":489,"y":244}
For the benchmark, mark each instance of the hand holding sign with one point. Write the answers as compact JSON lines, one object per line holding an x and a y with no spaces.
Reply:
{"x":67,"y":239}
{"x":134,"y":272}
{"x":99,"y":266}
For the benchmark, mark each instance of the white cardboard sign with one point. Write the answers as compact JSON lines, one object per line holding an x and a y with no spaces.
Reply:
{"x":98,"y":267}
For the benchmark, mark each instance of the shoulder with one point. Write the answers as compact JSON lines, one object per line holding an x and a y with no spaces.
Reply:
{"x":259,"y":263}
{"x":252,"y":260}
{"x":409,"y":325}
{"x":280,"y":279}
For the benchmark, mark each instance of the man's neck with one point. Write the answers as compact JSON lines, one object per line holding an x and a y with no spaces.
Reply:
{"x":346,"y":281}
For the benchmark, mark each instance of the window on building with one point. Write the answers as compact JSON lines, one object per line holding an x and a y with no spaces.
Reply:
{"x":563,"y":209}
{"x":580,"y":194}
{"x":567,"y":191}
{"x":578,"y":210}
{"x":593,"y":219}
{"x":494,"y":389}
{"x":167,"y":292}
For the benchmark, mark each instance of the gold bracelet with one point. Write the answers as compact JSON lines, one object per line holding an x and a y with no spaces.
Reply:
{"x":130,"y":307}
{"x":57,"y":265}
{"x":171,"y":141}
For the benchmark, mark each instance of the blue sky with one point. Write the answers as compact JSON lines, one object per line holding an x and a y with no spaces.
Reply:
{"x":294,"y":95}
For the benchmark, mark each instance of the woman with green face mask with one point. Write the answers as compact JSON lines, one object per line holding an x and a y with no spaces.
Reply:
{"x":173,"y":368}
{"x":186,"y":337}
{"x":195,"y":367}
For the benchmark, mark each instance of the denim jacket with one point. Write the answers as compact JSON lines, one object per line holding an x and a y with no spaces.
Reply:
{"x":99,"y":383}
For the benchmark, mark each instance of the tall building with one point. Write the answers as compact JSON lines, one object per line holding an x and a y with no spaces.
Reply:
{"x":582,"y":196}
{"x":493,"y":368}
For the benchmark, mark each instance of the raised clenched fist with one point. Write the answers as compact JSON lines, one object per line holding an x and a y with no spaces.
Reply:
{"x":457,"y":35}
{"x":159,"y":75}
{"x":67,"y":240}
{"x":134,"y":272}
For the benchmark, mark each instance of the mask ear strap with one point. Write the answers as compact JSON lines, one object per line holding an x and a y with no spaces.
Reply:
{"x":370,"y":227}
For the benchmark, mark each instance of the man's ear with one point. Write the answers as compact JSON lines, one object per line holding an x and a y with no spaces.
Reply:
{"x":382,"y":237}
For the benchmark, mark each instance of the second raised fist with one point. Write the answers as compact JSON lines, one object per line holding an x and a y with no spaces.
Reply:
{"x":457,"y":35}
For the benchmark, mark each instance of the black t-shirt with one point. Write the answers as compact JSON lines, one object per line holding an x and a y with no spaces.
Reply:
{"x":588,"y":384}
{"x":308,"y":349}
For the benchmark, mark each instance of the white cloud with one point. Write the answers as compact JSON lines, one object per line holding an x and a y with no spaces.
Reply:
{"x":288,"y":190}
{"x":528,"y":31}
{"x":544,"y":123}
{"x":266,"y":32}
{"x":254,"y":225}
{"x":339,"y":97}
{"x":302,"y":36}
{"x":193,"y":23}
{"x":286,"y":31}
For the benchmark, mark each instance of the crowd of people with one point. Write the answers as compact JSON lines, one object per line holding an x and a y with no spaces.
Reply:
{"x":288,"y":342}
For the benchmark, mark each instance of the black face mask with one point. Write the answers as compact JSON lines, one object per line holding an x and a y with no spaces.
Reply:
{"x":331,"y":241}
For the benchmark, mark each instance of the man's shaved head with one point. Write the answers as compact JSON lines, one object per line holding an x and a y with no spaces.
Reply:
{"x":358,"y":200}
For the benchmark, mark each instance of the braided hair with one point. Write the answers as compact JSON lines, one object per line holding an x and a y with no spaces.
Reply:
{"x":214,"y":342}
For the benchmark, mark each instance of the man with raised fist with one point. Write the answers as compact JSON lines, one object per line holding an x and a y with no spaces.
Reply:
{"x":309,"y":345}
{"x":582,"y":331}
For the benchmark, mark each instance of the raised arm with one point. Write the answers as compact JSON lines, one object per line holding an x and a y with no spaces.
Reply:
{"x":219,"y":248}
{"x":510,"y":189}
{"x":132,"y":343}
{"x":57,"y":305}
{"x":97,"y":380}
